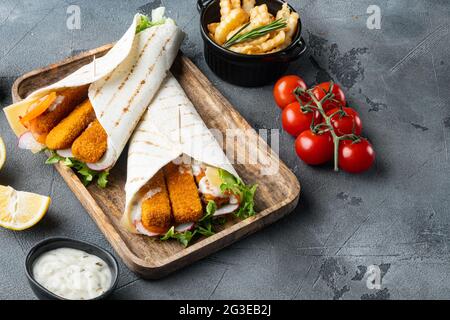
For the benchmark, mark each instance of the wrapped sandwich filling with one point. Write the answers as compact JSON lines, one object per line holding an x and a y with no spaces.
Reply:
{"x":86,"y":119}
{"x":179,"y":181}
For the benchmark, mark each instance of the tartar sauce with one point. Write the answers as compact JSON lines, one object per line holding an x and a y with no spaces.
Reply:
{"x":72,"y":274}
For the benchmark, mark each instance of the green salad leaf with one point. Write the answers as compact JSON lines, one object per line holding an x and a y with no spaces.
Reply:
{"x":246,"y":193}
{"x":205,"y":226}
{"x":146,"y":23}
{"x":183,"y":237}
{"x":86,"y":174}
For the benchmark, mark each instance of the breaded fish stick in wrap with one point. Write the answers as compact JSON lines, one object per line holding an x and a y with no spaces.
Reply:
{"x":186,"y":204}
{"x":120,"y":85}
{"x":91,"y":145}
{"x":155,"y":210}
{"x":64,"y":134}
{"x":64,"y":103}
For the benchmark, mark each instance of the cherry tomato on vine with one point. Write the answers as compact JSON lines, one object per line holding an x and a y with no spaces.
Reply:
{"x":356,"y":156}
{"x":314,"y":148}
{"x":346,"y":124}
{"x":283,"y":91}
{"x":322,"y":89}
{"x":295,"y":121}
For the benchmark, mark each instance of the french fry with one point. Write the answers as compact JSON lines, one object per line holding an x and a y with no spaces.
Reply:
{"x":250,"y":47}
{"x":260,"y":16}
{"x":254,"y":42}
{"x":225,"y":8}
{"x":273,"y":42}
{"x":248,"y":5}
{"x":234,"y":19}
{"x":247,"y":49}
{"x":212,"y":27}
{"x":291,"y":20}
{"x":284,"y":12}
{"x":235,"y":4}
{"x":292,"y":23}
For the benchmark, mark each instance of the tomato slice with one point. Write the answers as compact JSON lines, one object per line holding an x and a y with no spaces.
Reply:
{"x":39,"y":109}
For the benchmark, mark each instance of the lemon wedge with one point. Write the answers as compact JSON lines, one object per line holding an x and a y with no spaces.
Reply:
{"x":21,"y":210}
{"x":2,"y":153}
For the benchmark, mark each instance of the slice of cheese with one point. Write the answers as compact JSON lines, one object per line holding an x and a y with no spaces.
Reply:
{"x":13,"y":114}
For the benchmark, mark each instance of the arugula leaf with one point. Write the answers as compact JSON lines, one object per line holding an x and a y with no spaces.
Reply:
{"x":54,"y":158}
{"x":146,"y":23}
{"x":205,"y":226}
{"x":169,"y":234}
{"x":205,"y":230}
{"x":183,"y":237}
{"x":86,"y":174}
{"x":245,"y":193}
{"x":102,"y":179}
{"x":210,"y":209}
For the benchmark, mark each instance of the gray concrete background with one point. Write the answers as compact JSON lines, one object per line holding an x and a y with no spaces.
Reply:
{"x":396,"y":216}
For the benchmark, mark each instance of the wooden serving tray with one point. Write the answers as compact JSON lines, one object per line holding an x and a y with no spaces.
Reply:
{"x":277,"y":195}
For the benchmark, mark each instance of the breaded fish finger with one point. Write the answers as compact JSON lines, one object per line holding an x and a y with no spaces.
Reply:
{"x":63,"y":135}
{"x":65,"y":102}
{"x":91,"y":145}
{"x":183,"y":194}
{"x":156,"y":212}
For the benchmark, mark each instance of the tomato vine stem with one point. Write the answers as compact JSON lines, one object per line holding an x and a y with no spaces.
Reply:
{"x":318,"y":105}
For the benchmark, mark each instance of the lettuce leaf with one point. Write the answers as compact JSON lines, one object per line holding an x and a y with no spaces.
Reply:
{"x":203,"y":227}
{"x":146,"y":23}
{"x":183,"y":237}
{"x":245,"y":193}
{"x":86,"y":174}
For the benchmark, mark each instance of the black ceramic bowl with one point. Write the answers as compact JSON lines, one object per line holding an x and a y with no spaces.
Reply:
{"x":54,"y":243}
{"x":242,"y":69}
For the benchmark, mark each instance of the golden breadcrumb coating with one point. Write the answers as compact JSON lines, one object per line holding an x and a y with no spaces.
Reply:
{"x":91,"y":145}
{"x":63,"y":135}
{"x":183,"y":193}
{"x":156,"y":212}
{"x":43,"y":124}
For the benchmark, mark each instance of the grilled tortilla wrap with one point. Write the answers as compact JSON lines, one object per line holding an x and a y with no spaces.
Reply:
{"x":170,"y":128}
{"x":122,"y":83}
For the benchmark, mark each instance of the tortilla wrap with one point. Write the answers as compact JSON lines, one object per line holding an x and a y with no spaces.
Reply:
{"x":170,"y":128}
{"x":123,"y":82}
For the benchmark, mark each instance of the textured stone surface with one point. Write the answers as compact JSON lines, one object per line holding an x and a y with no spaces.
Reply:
{"x":396,"y":216}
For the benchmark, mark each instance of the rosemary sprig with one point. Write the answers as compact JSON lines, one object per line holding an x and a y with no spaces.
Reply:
{"x":255,"y":33}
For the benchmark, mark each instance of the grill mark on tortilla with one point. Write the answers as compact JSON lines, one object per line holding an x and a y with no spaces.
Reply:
{"x":137,"y":179}
{"x":138,"y":89}
{"x":143,"y":130}
{"x":124,"y":81}
{"x":169,"y":97}
{"x":145,"y":154}
{"x":190,"y":113}
{"x":190,"y":125}
{"x":199,"y":136}
{"x":149,"y":143}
